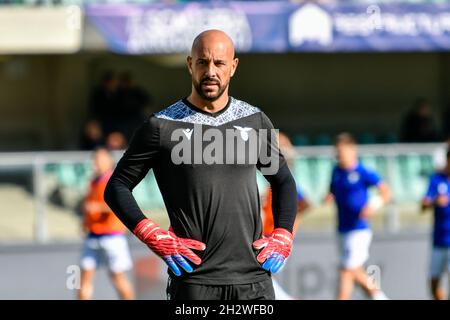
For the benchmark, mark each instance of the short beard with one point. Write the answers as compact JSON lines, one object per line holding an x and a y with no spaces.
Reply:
{"x":198,"y":88}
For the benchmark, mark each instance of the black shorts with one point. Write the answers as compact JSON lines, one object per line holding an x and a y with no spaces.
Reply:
{"x":262,"y":290}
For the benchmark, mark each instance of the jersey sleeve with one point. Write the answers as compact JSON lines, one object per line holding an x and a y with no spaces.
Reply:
{"x":332,"y":183}
{"x":134,"y":165}
{"x":432,"y":191}
{"x":273,"y":166}
{"x":300,"y":196}
{"x":371,"y":178}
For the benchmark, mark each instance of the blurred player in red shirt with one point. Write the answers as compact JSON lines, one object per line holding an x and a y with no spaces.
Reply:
{"x":105,"y":242}
{"x":268,"y":226}
{"x":287,"y":150}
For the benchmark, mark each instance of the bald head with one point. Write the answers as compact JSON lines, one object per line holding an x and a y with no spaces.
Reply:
{"x":213,"y":38}
{"x":211,"y":64}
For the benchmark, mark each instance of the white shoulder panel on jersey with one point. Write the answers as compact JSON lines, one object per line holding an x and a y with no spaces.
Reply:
{"x":179,"y":111}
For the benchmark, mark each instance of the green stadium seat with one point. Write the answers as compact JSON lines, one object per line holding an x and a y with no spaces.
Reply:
{"x":323,"y":140}
{"x":366,"y":138}
{"x":388,"y":138}
{"x":66,"y":174}
{"x":147,"y":194}
{"x":321,"y":169}
{"x":381,"y":166}
{"x":427,"y":166}
{"x":300,"y":140}
{"x":263,"y":184}
{"x":369,"y":161}
{"x":302,"y":176}
{"x":413,"y":181}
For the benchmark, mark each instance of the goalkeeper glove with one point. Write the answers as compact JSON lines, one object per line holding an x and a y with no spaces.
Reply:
{"x":275,"y":249}
{"x":168,"y":246}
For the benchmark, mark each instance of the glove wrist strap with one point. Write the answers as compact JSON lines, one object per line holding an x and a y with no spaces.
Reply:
{"x":144,"y":229}
{"x":283,"y":233}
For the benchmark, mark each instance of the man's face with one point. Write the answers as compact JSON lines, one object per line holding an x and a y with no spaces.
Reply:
{"x":102,"y":161}
{"x":346,"y":155}
{"x":211,"y":65}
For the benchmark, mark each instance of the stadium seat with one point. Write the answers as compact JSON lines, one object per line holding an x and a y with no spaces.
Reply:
{"x":366,"y":138}
{"x":262,"y":182}
{"x":323,"y":140}
{"x":147,"y":194}
{"x":413,"y":181}
{"x":388,"y":138}
{"x":302,"y":176}
{"x":427,"y":166}
{"x":320,"y":168}
{"x":381,"y":166}
{"x":300,"y":140}
{"x":370,"y":162}
{"x":66,"y":174}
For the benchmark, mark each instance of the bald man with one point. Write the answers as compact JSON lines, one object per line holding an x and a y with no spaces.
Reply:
{"x":214,"y":248}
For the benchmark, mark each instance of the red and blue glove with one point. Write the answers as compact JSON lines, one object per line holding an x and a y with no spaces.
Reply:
{"x":275,"y":249}
{"x":172,"y":249}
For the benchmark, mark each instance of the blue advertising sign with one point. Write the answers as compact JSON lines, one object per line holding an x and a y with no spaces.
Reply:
{"x":275,"y":26}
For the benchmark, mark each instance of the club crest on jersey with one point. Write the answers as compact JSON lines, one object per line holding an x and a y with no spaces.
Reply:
{"x":188,"y":133}
{"x":237,"y":145}
{"x":353,"y":177}
{"x":442,"y":188}
{"x":244,"y":132}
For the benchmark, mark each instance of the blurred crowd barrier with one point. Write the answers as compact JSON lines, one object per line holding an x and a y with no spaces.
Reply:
{"x":399,"y":261}
{"x":41,"y":193}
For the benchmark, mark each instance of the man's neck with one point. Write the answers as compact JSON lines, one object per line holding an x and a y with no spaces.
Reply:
{"x":350,"y":166}
{"x":447,"y":170}
{"x":208,"y":106}
{"x":100,"y":173}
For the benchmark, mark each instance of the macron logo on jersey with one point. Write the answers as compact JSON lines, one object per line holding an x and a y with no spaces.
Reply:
{"x":244,"y":132}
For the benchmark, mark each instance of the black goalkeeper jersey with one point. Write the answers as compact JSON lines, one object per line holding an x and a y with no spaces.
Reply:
{"x":208,"y":184}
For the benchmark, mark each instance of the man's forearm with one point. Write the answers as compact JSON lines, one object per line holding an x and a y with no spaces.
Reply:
{"x":385,"y":192}
{"x":284,"y":198}
{"x":120,"y":199}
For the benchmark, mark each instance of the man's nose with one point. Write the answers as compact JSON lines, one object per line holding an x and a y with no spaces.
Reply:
{"x":211,"y":70}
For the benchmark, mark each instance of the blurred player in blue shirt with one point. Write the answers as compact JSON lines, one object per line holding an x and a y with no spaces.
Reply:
{"x":437,"y":196}
{"x":349,"y":187}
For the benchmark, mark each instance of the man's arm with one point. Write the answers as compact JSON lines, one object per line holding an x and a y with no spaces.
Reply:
{"x":329,"y":197}
{"x":426,"y":203}
{"x":277,"y":248}
{"x":131,"y":169}
{"x":302,"y":206}
{"x":432,"y":197}
{"x":284,"y":198}
{"x":377,"y":203}
{"x":385,"y":192}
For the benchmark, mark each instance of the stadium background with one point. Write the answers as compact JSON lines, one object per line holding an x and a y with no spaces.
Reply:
{"x":53,"y":53}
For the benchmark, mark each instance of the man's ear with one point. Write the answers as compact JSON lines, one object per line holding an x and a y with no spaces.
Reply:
{"x":234,"y":66}
{"x":189,"y":64}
